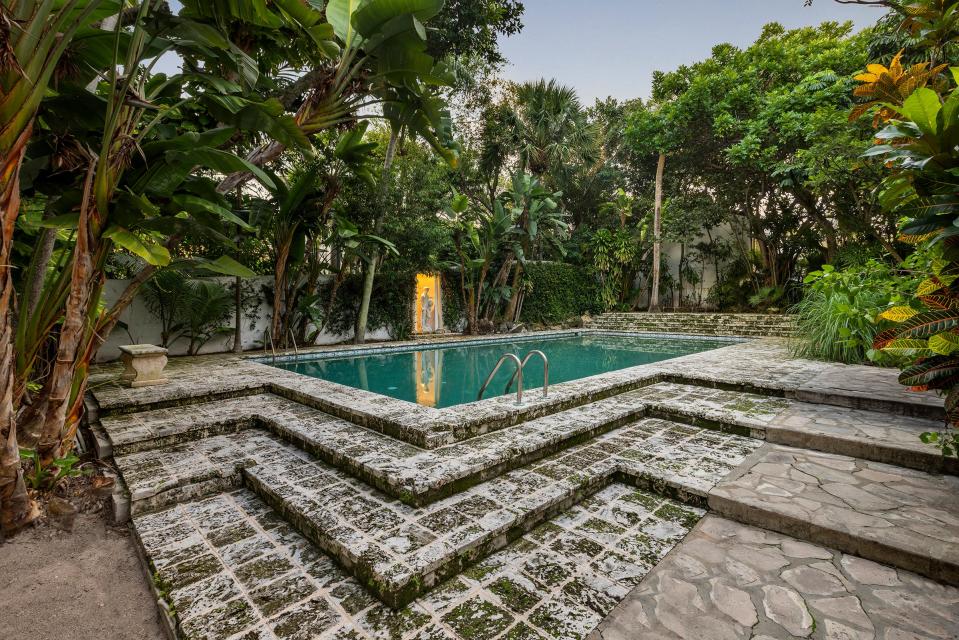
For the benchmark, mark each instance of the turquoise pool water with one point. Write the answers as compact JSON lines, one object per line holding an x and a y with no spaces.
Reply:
{"x":452,"y":375}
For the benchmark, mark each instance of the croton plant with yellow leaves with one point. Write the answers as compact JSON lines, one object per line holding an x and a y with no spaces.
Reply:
{"x":918,"y":108}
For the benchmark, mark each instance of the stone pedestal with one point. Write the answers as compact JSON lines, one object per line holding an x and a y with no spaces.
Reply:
{"x":144,"y":365}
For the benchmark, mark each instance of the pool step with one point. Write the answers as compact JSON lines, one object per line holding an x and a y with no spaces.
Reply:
{"x":709,"y":324}
{"x":888,"y":514}
{"x":870,"y":435}
{"x":416,"y":476}
{"x":399,"y":551}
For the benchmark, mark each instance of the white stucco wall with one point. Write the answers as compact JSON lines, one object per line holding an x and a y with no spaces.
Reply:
{"x":672,"y":251}
{"x":143,"y":328}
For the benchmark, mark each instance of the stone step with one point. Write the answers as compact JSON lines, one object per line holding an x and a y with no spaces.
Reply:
{"x":870,"y":435}
{"x":400,"y":551}
{"x":230,"y":568}
{"x":414,"y":475}
{"x":905,"y":518}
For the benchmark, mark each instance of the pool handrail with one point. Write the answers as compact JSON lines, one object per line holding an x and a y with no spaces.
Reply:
{"x":535,"y":352}
{"x":268,"y":335}
{"x":499,"y":363}
{"x":296,"y":352}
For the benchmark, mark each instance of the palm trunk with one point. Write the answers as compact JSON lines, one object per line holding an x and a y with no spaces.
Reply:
{"x":362,"y":317}
{"x":654,"y":305}
{"x":16,"y":508}
{"x":238,"y":315}
{"x":57,"y":396}
{"x":513,"y":307}
{"x":279,"y":288}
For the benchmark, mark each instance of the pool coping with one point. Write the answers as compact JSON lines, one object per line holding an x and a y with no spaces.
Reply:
{"x":429,"y":427}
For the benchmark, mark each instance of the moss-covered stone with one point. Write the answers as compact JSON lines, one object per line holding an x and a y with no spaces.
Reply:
{"x":512,"y":594}
{"x":478,"y":620}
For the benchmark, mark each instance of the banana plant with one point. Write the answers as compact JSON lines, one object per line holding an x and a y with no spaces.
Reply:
{"x":379,"y":61}
{"x":539,"y":221}
{"x":33,"y":38}
{"x":137,"y":179}
{"x":479,"y":236}
{"x":298,"y":211}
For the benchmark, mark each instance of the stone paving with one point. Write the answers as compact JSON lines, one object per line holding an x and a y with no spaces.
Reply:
{"x":232,"y":569}
{"x":278,"y":506}
{"x":728,"y":581}
{"x":873,"y":435}
{"x":404,"y":471}
{"x":399,"y":550}
{"x":903,"y":517}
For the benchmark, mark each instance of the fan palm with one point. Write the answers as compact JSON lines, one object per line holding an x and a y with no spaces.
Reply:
{"x":554,"y":131}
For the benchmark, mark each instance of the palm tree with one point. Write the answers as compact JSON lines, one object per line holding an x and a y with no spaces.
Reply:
{"x":654,"y":305}
{"x":554,"y":130}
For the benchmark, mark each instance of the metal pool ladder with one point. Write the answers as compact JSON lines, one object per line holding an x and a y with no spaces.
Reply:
{"x":269,"y":336}
{"x":518,"y":374}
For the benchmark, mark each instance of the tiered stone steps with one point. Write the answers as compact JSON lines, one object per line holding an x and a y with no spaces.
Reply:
{"x":271,"y":518}
{"x":350,"y":502}
{"x":416,"y":476}
{"x":400,"y":551}
{"x":232,"y":569}
{"x":908,"y":519}
{"x":870,"y":435}
{"x":706,"y":324}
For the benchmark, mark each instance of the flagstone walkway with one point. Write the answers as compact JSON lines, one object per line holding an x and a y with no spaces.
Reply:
{"x":728,"y":581}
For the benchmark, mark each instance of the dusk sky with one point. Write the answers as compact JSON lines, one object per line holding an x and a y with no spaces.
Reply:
{"x":611,"y":47}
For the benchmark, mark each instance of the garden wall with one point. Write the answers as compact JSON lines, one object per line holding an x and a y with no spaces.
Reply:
{"x":143,"y":327}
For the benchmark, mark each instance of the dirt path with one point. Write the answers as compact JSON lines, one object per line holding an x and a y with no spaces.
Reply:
{"x":85,"y":585}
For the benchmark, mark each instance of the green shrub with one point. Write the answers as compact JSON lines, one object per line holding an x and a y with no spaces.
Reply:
{"x":454,"y":314}
{"x":838,"y":318}
{"x":556,"y":292}
{"x":391,"y":305}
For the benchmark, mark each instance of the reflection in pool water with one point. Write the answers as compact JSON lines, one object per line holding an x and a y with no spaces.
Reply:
{"x":452,"y":375}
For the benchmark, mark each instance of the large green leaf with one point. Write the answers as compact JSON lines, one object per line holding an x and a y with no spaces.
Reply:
{"x":922,"y":107}
{"x":339,"y":13}
{"x":227,"y":266}
{"x":375,"y":14}
{"x":146,"y":247}
{"x":194,"y":203}
{"x":169,"y":171}
{"x":267,"y":116}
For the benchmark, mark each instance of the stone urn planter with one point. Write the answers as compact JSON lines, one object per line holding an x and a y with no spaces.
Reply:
{"x":144,"y":365}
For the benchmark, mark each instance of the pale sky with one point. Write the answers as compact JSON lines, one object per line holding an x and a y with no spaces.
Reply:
{"x":611,"y":47}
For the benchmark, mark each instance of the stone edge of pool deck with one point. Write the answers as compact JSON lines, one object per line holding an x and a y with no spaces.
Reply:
{"x":761,"y":366}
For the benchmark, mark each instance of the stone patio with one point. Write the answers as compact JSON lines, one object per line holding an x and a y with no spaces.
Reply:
{"x":270,"y":505}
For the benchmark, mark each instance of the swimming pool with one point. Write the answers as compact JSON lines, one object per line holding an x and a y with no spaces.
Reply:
{"x":448,"y":375}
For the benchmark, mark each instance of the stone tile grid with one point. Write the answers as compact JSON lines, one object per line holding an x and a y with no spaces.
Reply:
{"x":874,"y":435}
{"x":232,"y":569}
{"x":394,"y":466}
{"x":879,"y":511}
{"x":404,"y":548}
{"x":728,"y":581}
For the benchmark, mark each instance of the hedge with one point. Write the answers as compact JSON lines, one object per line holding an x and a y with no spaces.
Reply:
{"x":557,"y":292}
{"x":391,"y":305}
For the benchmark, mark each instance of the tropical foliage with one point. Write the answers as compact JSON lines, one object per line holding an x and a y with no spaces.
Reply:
{"x":919,"y":142}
